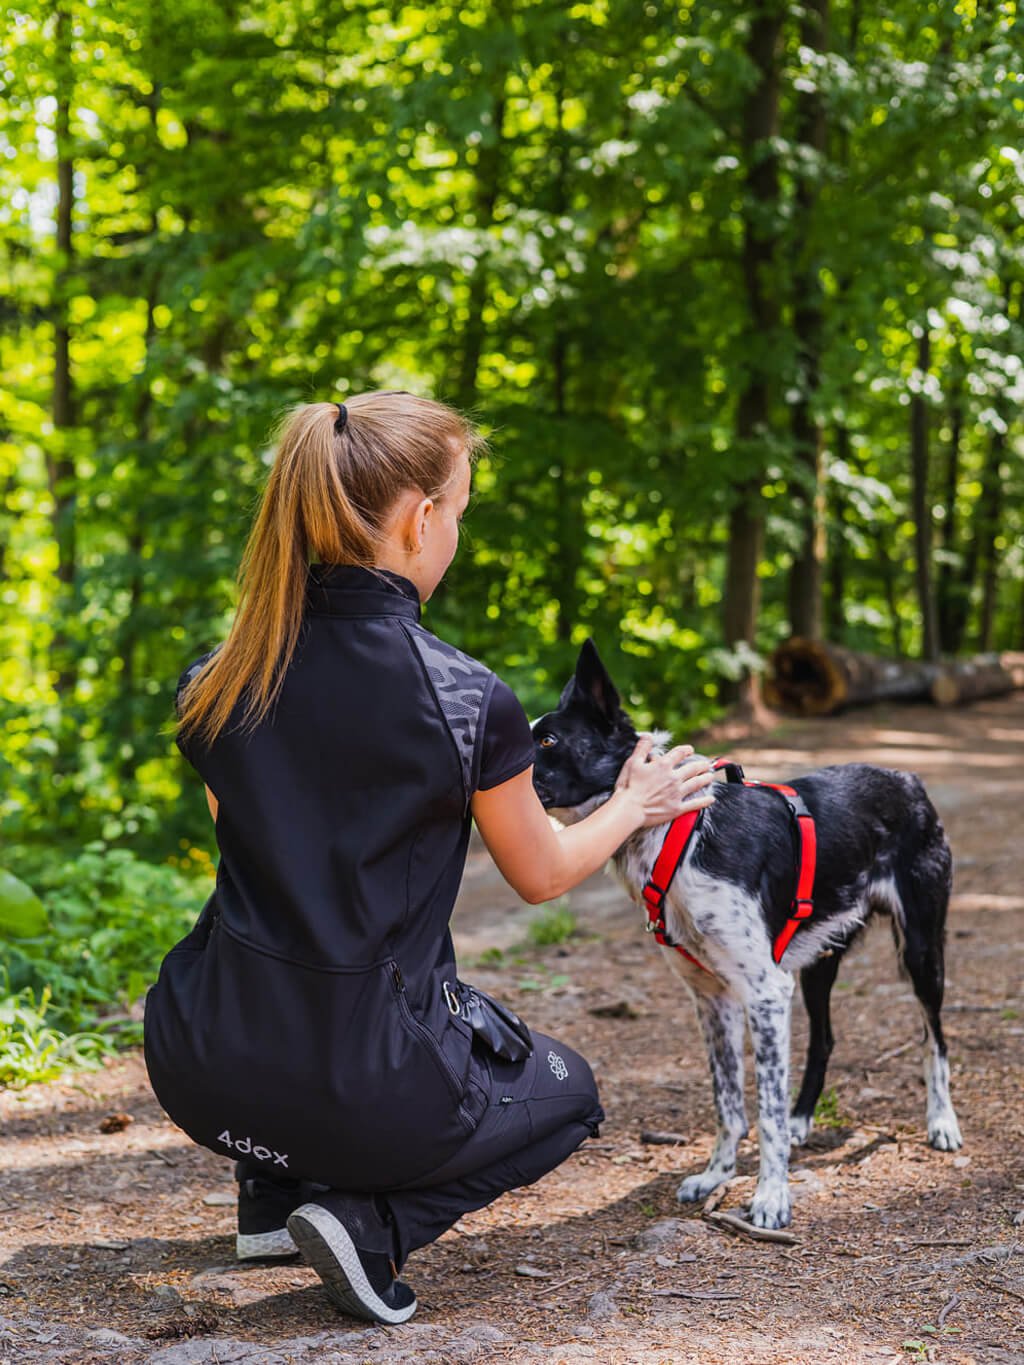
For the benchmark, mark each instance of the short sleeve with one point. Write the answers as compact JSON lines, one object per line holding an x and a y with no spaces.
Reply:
{"x":507,"y":740}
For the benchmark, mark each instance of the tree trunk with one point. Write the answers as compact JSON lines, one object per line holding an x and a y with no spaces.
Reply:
{"x":949,"y":606}
{"x":990,"y":512}
{"x":489,"y":170}
{"x":807,"y":570}
{"x":129,"y":642}
{"x":753,"y":409}
{"x":922,"y":507}
{"x":567,"y":490}
{"x":60,"y":464}
{"x":835,"y":602}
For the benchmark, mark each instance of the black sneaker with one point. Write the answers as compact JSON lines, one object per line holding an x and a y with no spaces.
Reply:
{"x":360,"y":1280}
{"x":263,"y":1209}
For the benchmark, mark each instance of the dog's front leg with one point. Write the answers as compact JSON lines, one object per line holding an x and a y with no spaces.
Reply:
{"x":721,"y":1021}
{"x":769,"y":1029}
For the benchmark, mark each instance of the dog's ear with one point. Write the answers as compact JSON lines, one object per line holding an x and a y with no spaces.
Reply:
{"x":593,"y":682}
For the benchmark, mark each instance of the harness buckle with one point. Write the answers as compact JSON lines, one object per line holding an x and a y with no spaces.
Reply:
{"x":803,"y":909}
{"x":654,"y":926}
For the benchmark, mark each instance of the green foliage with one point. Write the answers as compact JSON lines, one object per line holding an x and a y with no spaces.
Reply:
{"x":32,"y":1050}
{"x":21,"y":911}
{"x":575,"y":223}
{"x":556,"y":923}
{"x":827,"y":1113}
{"x":111,"y":917}
{"x":491,"y":957}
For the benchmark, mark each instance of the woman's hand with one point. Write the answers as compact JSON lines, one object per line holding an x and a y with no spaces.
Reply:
{"x":661,"y":788}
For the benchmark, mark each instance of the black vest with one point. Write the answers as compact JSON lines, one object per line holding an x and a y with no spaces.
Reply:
{"x":303,"y":1022}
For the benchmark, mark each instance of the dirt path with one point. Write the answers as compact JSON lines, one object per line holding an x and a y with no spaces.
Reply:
{"x":119,"y":1246}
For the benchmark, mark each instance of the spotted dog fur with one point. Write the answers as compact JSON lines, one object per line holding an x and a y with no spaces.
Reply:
{"x":881,"y":851}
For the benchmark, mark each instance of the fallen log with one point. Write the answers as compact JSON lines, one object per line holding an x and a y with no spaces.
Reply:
{"x":812,"y":678}
{"x":989,"y":675}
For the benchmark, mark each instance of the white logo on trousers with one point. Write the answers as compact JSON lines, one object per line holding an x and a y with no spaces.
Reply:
{"x":558,"y":1066}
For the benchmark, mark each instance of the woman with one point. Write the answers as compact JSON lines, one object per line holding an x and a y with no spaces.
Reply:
{"x":312,"y":1025}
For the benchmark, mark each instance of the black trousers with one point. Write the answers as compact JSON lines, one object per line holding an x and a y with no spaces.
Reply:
{"x":539,"y":1112}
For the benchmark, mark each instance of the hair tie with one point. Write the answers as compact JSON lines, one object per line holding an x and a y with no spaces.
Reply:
{"x":342,"y":418}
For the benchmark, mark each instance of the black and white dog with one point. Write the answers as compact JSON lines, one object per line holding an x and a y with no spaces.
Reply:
{"x":880,"y":849}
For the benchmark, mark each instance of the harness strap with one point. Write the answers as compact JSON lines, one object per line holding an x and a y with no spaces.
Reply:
{"x":673,"y":851}
{"x":677,"y":840}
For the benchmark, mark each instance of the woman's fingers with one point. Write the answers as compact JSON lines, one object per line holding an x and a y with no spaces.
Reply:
{"x":675,"y":756}
{"x":636,"y":760}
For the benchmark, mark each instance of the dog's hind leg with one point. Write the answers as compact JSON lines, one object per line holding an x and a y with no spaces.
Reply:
{"x":769,"y":1017}
{"x":722,"y":1023}
{"x":923,"y":886}
{"x":816,"y":982}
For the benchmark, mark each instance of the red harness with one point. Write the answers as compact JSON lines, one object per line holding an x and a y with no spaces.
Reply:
{"x":677,"y":840}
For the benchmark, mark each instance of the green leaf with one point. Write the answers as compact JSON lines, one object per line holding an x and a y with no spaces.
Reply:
{"x":21,"y":911}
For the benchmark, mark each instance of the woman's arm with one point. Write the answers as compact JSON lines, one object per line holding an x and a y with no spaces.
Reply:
{"x":540,"y":863}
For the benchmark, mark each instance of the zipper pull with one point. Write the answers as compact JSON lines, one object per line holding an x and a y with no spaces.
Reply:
{"x":396,"y":975}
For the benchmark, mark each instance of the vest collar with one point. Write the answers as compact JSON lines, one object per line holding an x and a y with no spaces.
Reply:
{"x":351,"y":590}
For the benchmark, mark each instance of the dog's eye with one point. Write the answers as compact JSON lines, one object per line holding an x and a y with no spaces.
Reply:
{"x":547,"y":741}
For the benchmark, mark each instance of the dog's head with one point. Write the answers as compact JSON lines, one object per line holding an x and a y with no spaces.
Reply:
{"x":580,"y":747}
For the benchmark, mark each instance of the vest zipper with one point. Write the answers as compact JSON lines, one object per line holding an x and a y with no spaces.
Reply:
{"x":430,"y":1041}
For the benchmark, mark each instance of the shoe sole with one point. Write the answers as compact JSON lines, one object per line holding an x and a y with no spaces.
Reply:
{"x":330,"y":1251}
{"x":265,"y":1246}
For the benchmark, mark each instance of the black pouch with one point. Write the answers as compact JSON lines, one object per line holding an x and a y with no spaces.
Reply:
{"x":497,"y":1027}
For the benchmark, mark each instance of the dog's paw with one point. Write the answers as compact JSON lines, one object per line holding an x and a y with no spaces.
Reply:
{"x":770,"y":1206}
{"x":697,"y":1187}
{"x":944,"y":1133}
{"x":799,"y":1129}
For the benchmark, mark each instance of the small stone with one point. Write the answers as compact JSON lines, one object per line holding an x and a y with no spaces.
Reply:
{"x":620,"y":1009}
{"x":533,"y":1272}
{"x":483,"y":1331}
{"x":961,"y":1161}
{"x":220,"y":1199}
{"x":109,"y":1244}
{"x":602,"y":1306}
{"x":106,"y":1336}
{"x":667,"y":1232}
{"x":804,"y":1183}
{"x":166,"y":1293}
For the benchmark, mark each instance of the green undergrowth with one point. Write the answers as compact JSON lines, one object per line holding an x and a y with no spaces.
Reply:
{"x":82,"y":937}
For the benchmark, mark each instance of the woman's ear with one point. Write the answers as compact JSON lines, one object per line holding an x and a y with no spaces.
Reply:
{"x":409,"y":522}
{"x":423,"y":512}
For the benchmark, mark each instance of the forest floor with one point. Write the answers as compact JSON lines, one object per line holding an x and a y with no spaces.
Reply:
{"x":119,"y":1246}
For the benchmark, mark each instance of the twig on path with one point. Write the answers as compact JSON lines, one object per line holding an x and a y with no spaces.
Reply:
{"x":691,"y":1294}
{"x":573,"y":1279}
{"x":714,"y":1199}
{"x":737,"y":1224}
{"x":657,"y":1139}
{"x":945,"y":1311}
{"x":1002,"y":1288}
{"x":162,"y":1156}
{"x":893,"y":1052}
{"x":979,"y":1009}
